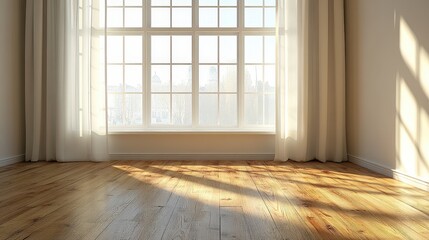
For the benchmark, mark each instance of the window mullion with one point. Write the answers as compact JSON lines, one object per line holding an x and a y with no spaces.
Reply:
{"x":263,"y":77}
{"x":218,"y":79}
{"x":144,"y":77}
{"x":171,"y":77}
{"x":195,"y":81}
{"x":147,"y":74}
{"x":240,"y":83}
{"x":106,"y":92}
{"x":240,"y":64}
{"x":146,"y":65}
{"x":195,"y":65}
{"x":123,"y":80}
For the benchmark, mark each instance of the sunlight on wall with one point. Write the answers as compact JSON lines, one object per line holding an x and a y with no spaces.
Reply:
{"x":424,"y":115}
{"x":407,"y":128}
{"x":424,"y":70}
{"x":407,"y":109}
{"x":408,"y":46}
{"x":412,"y":118}
{"x":424,"y":143}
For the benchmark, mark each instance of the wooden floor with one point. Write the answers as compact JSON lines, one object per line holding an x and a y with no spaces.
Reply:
{"x":207,"y":200}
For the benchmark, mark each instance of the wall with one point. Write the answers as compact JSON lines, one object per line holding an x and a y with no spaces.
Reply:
{"x":388,"y":87}
{"x":12,"y":132}
{"x":192,"y":146}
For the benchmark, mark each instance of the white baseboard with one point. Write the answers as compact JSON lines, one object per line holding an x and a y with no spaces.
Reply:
{"x":411,"y":180}
{"x":390,"y":172}
{"x":11,"y":160}
{"x":371,"y":166}
{"x":197,"y":156}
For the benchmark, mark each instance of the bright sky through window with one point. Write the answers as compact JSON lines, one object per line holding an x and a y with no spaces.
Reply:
{"x":191,"y":65}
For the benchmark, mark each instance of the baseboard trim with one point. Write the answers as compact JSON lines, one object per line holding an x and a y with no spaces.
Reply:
{"x":371,"y":166}
{"x":197,"y":156}
{"x":411,"y":180}
{"x":405,"y":178}
{"x":11,"y":160}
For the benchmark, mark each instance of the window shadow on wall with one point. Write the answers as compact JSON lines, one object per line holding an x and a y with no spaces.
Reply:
{"x":412,"y":94}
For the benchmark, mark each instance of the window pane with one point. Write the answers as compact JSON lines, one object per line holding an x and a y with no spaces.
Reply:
{"x":133,"y":49}
{"x":160,"y":78}
{"x":253,"y":109}
{"x":160,"y":2}
{"x":133,"y":17}
{"x":208,"y":2}
{"x":253,"y":17}
{"x":182,"y":109}
{"x":269,"y":109}
{"x":228,"y":78}
{"x":115,"y":78}
{"x":115,"y":111}
{"x":182,"y":49}
{"x":208,"y":49}
{"x":259,"y":109}
{"x":160,"y":17}
{"x":270,"y":78}
{"x":253,"y":49}
{"x":228,"y":17}
{"x":182,"y":2}
{"x":114,"y":3}
{"x":133,"y":109}
{"x":208,"y":17}
{"x":270,"y":3}
{"x":133,"y":3}
{"x":208,"y":109}
{"x":182,"y":17}
{"x":133,"y":78}
{"x":228,"y":110}
{"x":253,"y":2}
{"x":114,"y":17}
{"x":228,"y":2}
{"x":114,"y":49}
{"x":182,"y":78}
{"x":228,"y":49}
{"x":253,"y":80}
{"x":160,"y":49}
{"x":270,"y":17}
{"x":270,"y":49}
{"x":208,"y":78}
{"x":160,"y":109}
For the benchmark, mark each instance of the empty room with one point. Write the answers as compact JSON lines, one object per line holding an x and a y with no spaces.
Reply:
{"x":214,"y":119}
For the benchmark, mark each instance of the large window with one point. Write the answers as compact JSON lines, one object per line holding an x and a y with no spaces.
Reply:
{"x":191,"y":65}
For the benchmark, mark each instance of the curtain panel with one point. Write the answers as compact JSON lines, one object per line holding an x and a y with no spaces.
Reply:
{"x":310,"y":122}
{"x":65,"y":102}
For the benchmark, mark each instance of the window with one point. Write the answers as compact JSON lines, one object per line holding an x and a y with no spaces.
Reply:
{"x":191,"y":65}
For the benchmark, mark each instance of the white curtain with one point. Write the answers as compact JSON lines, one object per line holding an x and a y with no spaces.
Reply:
{"x":311,"y":81}
{"x":64,"y":81}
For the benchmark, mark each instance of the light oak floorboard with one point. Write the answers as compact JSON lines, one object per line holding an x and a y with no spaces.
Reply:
{"x":207,"y":200}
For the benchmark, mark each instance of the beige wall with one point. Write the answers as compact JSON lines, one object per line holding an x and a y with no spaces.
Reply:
{"x":11,"y":80}
{"x":388,"y":84}
{"x":202,"y":145}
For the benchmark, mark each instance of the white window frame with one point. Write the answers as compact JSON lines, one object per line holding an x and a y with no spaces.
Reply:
{"x":146,"y":32}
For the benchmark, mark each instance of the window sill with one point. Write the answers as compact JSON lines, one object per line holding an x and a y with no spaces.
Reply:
{"x":179,"y":131}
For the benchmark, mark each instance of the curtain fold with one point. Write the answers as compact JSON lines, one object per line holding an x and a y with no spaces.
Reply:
{"x":311,"y":81}
{"x":64,"y":79}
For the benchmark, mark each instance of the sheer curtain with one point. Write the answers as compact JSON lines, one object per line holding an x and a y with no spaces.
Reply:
{"x":64,"y":81}
{"x":311,"y":81}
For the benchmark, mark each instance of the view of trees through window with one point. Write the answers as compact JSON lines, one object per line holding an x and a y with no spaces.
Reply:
{"x":193,"y":65}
